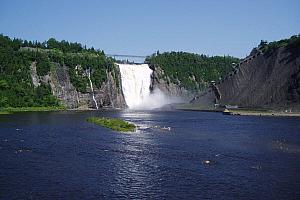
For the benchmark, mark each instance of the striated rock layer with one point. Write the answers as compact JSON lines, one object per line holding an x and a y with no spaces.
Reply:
{"x":270,"y":80}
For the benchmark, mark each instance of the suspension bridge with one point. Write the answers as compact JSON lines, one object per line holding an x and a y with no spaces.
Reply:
{"x":126,"y":58}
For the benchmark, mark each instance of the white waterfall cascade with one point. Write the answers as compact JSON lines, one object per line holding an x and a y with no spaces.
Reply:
{"x":136,"y":81}
{"x":88,"y":73}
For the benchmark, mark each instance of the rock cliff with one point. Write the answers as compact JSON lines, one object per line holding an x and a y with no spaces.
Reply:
{"x":261,"y":80}
{"x":162,"y":82}
{"x":108,"y":95}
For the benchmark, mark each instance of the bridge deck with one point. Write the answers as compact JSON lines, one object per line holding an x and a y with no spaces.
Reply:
{"x":128,"y":56}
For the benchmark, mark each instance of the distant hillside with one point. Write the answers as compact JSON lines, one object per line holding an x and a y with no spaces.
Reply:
{"x":268,"y":78}
{"x":191,"y":71}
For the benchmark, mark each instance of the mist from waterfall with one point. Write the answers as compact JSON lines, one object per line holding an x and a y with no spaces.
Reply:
{"x":136,"y":81}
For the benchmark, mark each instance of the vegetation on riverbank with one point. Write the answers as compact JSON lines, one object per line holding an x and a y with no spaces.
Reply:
{"x":113,"y":123}
{"x":10,"y":110}
{"x":4,"y":112}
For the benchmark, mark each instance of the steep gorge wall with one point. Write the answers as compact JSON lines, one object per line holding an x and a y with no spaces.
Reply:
{"x":260,"y":81}
{"x":166,"y":86}
{"x":108,"y":95}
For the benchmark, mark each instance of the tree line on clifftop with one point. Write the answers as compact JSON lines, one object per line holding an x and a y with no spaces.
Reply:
{"x":192,"y":71}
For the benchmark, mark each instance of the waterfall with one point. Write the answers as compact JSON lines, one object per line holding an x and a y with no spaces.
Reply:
{"x":88,"y":72}
{"x":136,"y":80}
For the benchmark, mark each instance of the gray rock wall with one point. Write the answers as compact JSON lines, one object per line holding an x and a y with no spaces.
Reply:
{"x":167,"y":87}
{"x":109,"y":95}
{"x":261,"y":81}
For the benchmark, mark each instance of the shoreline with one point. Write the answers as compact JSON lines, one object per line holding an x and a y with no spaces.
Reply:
{"x":246,"y":112}
{"x":241,"y":112}
{"x":11,"y":110}
{"x":270,"y":113}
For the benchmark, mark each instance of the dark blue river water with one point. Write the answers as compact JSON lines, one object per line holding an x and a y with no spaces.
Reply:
{"x":58,"y":155}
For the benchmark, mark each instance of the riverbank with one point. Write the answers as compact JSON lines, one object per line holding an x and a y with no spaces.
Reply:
{"x":4,"y":113}
{"x":238,"y":111}
{"x":11,"y":110}
{"x":262,"y":113}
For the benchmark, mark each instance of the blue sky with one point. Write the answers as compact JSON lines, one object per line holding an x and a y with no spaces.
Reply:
{"x":212,"y":27}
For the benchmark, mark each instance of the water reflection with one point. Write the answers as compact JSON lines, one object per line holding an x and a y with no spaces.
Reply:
{"x":205,"y":156}
{"x":141,"y":115}
{"x":136,"y":173}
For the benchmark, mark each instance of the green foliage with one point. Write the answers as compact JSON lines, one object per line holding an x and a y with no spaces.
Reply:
{"x":16,"y":89}
{"x":117,"y":76}
{"x":43,"y":96}
{"x":98,"y":77}
{"x":3,"y":85}
{"x":192,"y":71}
{"x":292,"y":44}
{"x":78,"y":80}
{"x":112,"y":123}
{"x":16,"y":56}
{"x":3,"y":101}
{"x":4,"y":113}
{"x":43,"y":64}
{"x":10,"y":110}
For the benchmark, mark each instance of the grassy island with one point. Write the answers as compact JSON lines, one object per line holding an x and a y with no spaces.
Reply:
{"x":113,"y":123}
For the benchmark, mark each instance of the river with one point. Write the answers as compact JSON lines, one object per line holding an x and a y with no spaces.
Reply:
{"x":58,"y":155}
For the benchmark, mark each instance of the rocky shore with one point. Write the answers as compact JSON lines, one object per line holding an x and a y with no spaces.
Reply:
{"x":262,"y":113}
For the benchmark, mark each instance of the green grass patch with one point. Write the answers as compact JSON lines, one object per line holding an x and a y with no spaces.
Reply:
{"x":10,"y":110}
{"x":4,"y":113}
{"x":113,"y":123}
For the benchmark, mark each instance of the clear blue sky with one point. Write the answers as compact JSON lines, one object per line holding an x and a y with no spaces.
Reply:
{"x":140,"y":27}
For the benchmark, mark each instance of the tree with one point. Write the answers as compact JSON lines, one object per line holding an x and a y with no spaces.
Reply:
{"x":3,"y":84}
{"x":52,"y":44}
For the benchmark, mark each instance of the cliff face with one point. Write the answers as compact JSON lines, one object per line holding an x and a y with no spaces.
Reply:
{"x":166,"y":86}
{"x":269,"y":80}
{"x":108,"y":95}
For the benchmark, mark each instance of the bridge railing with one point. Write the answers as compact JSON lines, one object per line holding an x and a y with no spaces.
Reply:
{"x":126,"y":56}
{"x":128,"y":59}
